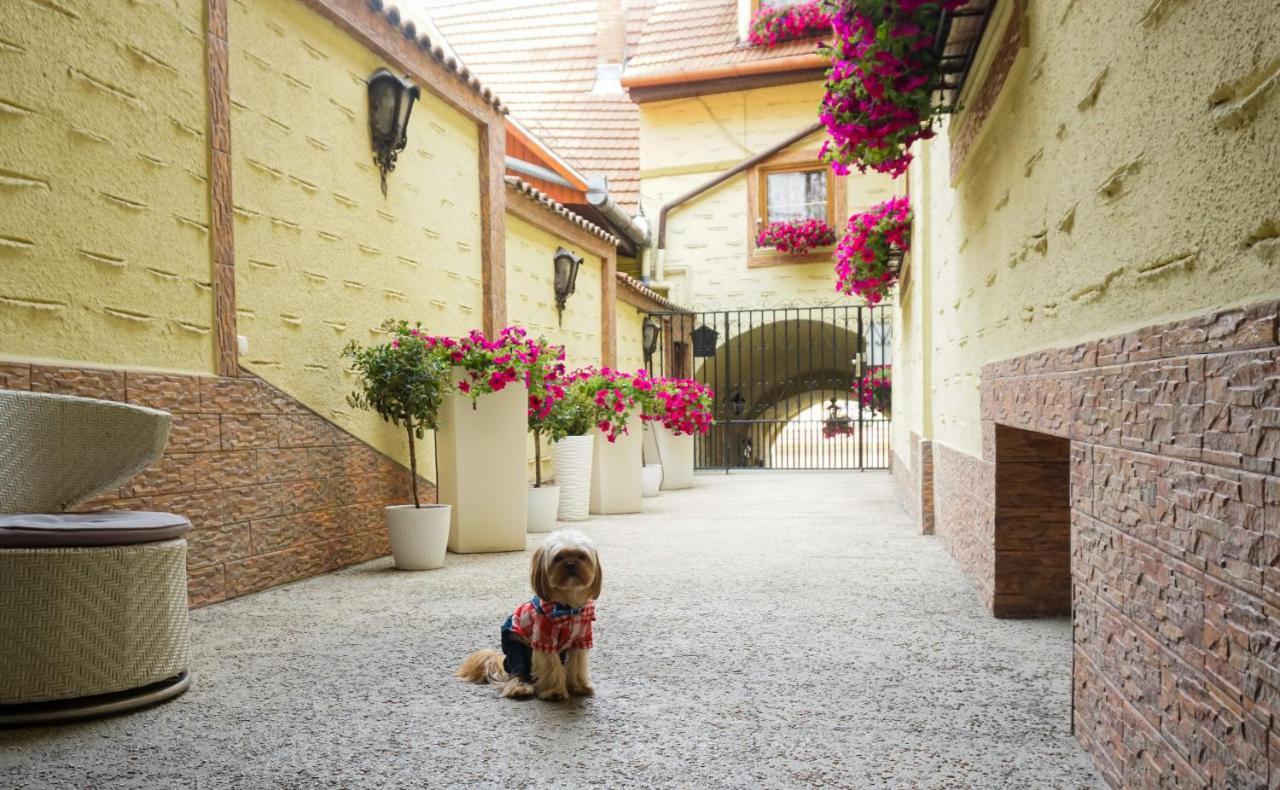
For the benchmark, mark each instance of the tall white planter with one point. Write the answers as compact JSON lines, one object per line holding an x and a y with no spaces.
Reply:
{"x":615,"y":471}
{"x":676,"y":453}
{"x":572,"y":460}
{"x":482,"y":469}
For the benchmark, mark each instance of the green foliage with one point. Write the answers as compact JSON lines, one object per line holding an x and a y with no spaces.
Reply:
{"x":572,"y":415}
{"x":403,"y":380}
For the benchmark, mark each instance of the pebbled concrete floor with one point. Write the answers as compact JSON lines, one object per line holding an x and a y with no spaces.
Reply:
{"x":762,"y":630}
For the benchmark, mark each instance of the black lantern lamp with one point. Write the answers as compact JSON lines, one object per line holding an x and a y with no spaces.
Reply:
{"x":704,"y":341}
{"x":390,"y":102}
{"x":737,"y":404}
{"x":650,"y":330}
{"x":567,"y":265}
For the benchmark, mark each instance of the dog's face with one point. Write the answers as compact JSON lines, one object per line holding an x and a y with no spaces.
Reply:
{"x":566,"y":569}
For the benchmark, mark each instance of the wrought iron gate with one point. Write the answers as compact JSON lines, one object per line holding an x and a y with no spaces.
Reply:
{"x":787,"y":382}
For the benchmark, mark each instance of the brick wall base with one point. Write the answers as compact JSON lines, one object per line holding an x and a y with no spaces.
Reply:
{"x":275,"y":493}
{"x":1174,"y":492}
{"x":914,"y":482}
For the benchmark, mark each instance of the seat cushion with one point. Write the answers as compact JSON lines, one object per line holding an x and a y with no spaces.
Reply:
{"x":107,"y":528}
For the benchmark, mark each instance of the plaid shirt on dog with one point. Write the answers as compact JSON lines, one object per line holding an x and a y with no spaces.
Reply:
{"x":552,"y":627}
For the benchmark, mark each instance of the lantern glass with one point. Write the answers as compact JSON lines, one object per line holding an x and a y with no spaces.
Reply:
{"x":566,"y":276}
{"x":390,"y":104}
{"x":650,"y":331}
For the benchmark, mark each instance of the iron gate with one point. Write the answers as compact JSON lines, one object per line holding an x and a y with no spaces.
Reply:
{"x":787,"y":382}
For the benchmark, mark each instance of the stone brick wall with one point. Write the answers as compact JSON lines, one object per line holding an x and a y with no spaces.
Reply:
{"x":274,"y":492}
{"x":1175,"y":538}
{"x":915,"y":482}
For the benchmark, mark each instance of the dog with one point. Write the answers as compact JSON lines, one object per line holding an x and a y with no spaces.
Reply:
{"x":545,"y":641}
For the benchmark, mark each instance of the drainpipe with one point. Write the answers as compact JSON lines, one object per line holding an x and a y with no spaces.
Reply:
{"x":634,"y":228}
{"x":660,"y":254}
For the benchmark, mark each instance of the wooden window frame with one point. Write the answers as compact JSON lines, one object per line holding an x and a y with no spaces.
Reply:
{"x":757,"y":205}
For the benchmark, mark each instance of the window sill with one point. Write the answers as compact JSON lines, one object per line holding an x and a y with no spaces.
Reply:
{"x":762,"y":257}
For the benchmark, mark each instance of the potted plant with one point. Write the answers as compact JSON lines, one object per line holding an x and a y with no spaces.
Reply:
{"x":481,"y":445}
{"x":403,"y":381}
{"x":679,"y":410}
{"x":777,"y":24}
{"x":796,"y":237}
{"x":568,"y":428}
{"x":544,"y":379}
{"x":617,"y":399}
{"x":883,"y":77}
{"x":868,"y":256}
{"x":877,"y":390}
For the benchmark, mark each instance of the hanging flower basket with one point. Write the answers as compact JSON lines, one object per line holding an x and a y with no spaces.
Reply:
{"x":796,"y":237}
{"x":870,"y":254}
{"x":877,"y":390}
{"x":773,"y":25}
{"x":839,"y":427}
{"x":881,"y":84}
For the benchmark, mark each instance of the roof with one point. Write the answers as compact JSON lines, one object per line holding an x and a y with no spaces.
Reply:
{"x":538,"y":196}
{"x":421,"y":34}
{"x":632,"y":286}
{"x":694,"y":35}
{"x":541,"y":56}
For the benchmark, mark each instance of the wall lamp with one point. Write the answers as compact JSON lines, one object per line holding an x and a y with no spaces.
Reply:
{"x":567,"y":265}
{"x":391,"y":100}
{"x":650,"y":330}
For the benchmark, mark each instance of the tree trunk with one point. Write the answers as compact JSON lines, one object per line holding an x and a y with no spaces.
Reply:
{"x":537,"y":458}
{"x":413,"y":461}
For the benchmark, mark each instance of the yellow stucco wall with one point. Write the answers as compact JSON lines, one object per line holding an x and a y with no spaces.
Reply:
{"x":684,"y":143}
{"x":321,"y":256}
{"x":104,"y":217}
{"x":630,"y":337}
{"x":531,"y":300}
{"x":1120,"y":182}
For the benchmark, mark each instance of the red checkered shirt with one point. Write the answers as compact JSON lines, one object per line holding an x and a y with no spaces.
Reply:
{"x":552,"y":627}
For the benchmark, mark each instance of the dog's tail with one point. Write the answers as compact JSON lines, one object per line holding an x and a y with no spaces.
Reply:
{"x":483,"y":666}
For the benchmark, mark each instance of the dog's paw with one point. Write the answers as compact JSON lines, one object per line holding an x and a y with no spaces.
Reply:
{"x":582,"y":691}
{"x":552,"y":695}
{"x":517,"y":689}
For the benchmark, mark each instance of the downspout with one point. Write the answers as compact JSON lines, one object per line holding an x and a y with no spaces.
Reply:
{"x":634,"y":228}
{"x":660,"y":254}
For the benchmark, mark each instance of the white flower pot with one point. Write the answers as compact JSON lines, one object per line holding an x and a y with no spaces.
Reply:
{"x":572,"y":459}
{"x":650,"y":444}
{"x":481,"y":455}
{"x":544,"y":503}
{"x":615,"y":471}
{"x":650,"y":480}
{"x":419,"y":535}
{"x":676,"y":453}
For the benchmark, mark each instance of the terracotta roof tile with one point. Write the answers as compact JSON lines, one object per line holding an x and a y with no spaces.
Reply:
{"x":690,"y":35}
{"x":538,"y":196}
{"x":540,"y":55}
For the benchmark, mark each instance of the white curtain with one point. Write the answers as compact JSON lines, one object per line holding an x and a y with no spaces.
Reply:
{"x":794,"y":196}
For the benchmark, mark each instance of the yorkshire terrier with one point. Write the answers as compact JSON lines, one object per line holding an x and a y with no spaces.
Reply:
{"x":545,"y":641}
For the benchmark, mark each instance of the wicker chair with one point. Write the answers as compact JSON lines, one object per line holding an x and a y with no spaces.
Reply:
{"x":93,"y":606}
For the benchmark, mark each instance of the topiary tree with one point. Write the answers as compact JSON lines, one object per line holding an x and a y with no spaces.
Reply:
{"x":403,"y":381}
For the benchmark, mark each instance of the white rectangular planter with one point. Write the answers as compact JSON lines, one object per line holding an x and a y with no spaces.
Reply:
{"x":615,"y":471}
{"x":482,"y":469}
{"x":676,"y":453}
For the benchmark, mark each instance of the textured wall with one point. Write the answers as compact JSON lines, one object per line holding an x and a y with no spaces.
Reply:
{"x":531,"y":300}
{"x":322,"y":257}
{"x":1125,"y":176}
{"x":630,"y":337}
{"x":685,"y":142}
{"x":104,"y":220}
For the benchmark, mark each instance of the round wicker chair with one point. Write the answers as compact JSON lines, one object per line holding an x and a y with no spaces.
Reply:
{"x":94,"y":612}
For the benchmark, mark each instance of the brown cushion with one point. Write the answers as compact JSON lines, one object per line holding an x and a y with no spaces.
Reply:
{"x":107,"y":528}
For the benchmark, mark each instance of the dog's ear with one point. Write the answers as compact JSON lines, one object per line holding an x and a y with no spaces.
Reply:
{"x":538,"y":576}
{"x":598,"y":583}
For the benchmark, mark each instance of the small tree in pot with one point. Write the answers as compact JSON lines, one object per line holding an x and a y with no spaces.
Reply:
{"x":544,"y":376}
{"x":403,"y":381}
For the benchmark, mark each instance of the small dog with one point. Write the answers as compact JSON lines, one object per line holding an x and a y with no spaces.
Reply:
{"x":545,"y":641}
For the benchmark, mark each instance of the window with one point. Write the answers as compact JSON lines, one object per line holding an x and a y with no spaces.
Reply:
{"x":756,"y":4}
{"x":795,"y":193}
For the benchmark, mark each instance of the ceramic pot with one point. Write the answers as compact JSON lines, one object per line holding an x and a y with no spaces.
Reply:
{"x":572,"y":459}
{"x":419,"y":535}
{"x":544,"y":503}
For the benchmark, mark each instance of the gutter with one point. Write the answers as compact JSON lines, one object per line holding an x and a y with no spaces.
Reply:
{"x":537,"y":171}
{"x":661,"y":252}
{"x":636,"y":229}
{"x":747,"y":69}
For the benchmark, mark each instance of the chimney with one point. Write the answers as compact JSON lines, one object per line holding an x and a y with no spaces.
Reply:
{"x":611,"y":32}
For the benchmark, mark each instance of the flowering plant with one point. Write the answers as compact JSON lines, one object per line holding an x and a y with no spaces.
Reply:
{"x":796,"y":236}
{"x":880,"y":86}
{"x":404,"y":381}
{"x":682,"y":405}
{"x":877,"y":389}
{"x":545,"y":378}
{"x":863,"y":255}
{"x":489,"y":365}
{"x":614,"y":396}
{"x":774,"y":25}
